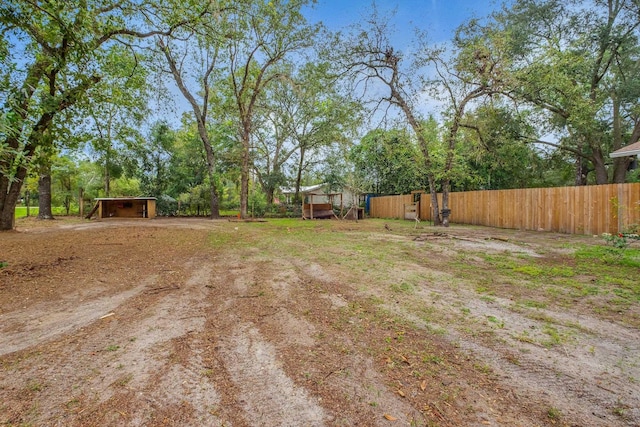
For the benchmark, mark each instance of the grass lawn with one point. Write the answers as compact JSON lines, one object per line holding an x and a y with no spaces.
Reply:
{"x":21,"y":211}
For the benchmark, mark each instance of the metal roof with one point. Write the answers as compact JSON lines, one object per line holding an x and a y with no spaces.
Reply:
{"x":303,"y":189}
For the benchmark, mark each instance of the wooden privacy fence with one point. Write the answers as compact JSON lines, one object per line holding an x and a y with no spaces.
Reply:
{"x":591,"y":209}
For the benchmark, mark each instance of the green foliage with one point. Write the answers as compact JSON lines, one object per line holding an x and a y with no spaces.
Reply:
{"x":388,"y":162}
{"x":571,"y":62}
{"x":59,"y":52}
{"x":153,"y":160}
{"x":196,"y":201}
{"x":499,"y":157}
{"x":620,"y":240}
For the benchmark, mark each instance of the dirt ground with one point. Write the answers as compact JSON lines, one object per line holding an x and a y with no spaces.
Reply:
{"x":219,"y":323}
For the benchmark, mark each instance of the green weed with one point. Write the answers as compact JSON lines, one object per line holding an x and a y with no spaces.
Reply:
{"x":403,"y":287}
{"x":529,"y":270}
{"x":534,"y":304}
{"x":498,"y":322}
{"x":554,"y":413}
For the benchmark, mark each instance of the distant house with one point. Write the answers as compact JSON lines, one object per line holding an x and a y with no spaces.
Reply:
{"x":632,"y":150}
{"x":320,"y":202}
{"x":628,"y":151}
{"x":321,"y":194}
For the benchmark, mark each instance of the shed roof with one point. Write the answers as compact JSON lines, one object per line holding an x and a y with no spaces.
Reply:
{"x":629,"y":150}
{"x":125,"y":198}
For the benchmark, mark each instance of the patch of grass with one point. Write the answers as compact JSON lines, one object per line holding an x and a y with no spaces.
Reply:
{"x":403,"y":287}
{"x":495,"y":320}
{"x":561,"y":271}
{"x":524,"y":337}
{"x":629,"y":257}
{"x":432,"y":358}
{"x":533,"y":304}
{"x":555,"y":336}
{"x":35,"y":386}
{"x":487,"y":298}
{"x":554,"y":413}
{"x":21,"y":211}
{"x":112,"y":347}
{"x":483,"y":368}
{"x":124,"y":380}
{"x":529,"y":270}
{"x":221,"y":239}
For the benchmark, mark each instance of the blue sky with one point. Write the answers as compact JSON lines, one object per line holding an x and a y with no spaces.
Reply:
{"x":439,"y":17}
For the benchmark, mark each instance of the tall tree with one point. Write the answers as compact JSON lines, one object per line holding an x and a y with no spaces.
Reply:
{"x":495,"y":153}
{"x":115,"y":110}
{"x":266,"y":35}
{"x":64,"y":176}
{"x":573,"y":61}
{"x":474,"y":74}
{"x":324,"y":118}
{"x":372,"y":63}
{"x":154,"y":159}
{"x":193,"y":60}
{"x":300,"y":116}
{"x":47,"y":44}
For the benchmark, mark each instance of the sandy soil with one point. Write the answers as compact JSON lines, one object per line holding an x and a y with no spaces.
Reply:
{"x":132,"y":322}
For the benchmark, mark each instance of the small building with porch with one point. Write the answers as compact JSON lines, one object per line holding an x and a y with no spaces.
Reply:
{"x":319,"y":202}
{"x":124,"y":207}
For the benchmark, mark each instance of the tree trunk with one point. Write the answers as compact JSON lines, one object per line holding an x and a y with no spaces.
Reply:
{"x":7,"y":218}
{"x":435,"y":213}
{"x":201,"y":118}
{"x":445,"y":202}
{"x":44,"y":193}
{"x":269,"y":193}
{"x":296,"y":197}
{"x":244,"y":172}
{"x":620,"y":166}
{"x":215,"y":203}
{"x":107,"y":176}
{"x":9,"y":200}
{"x":81,"y":202}
{"x":581,"y":171}
{"x":602,"y":175}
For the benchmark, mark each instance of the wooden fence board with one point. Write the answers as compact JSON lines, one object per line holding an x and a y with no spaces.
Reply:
{"x":592,"y":209}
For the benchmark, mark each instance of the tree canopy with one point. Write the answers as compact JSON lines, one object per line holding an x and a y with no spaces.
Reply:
{"x":538,"y":93}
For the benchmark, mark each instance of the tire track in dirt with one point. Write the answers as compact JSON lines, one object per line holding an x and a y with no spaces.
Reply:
{"x":269,"y":396}
{"x":570,"y":377}
{"x":20,"y":332}
{"x":148,"y":367}
{"x":261,"y":390}
{"x":265,"y":344}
